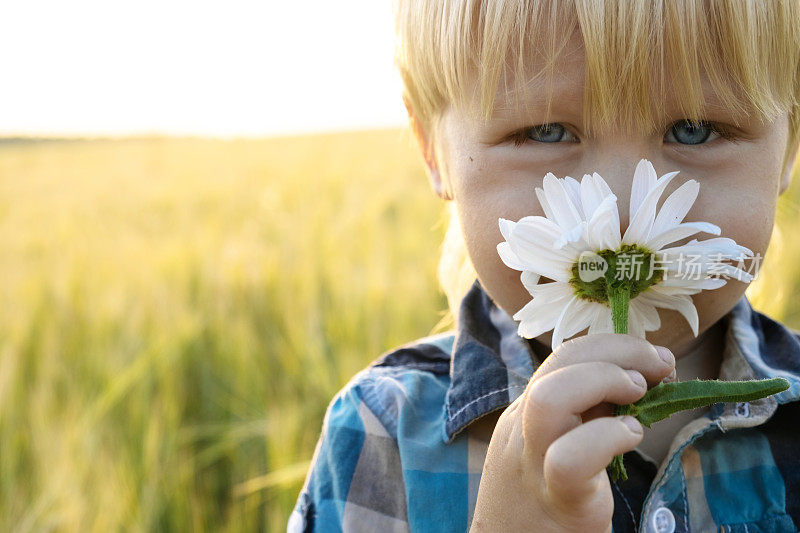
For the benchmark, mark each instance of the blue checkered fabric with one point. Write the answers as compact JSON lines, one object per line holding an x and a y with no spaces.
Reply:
{"x":396,"y":452}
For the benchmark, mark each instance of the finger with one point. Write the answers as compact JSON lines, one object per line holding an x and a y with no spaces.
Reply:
{"x":601,"y":409}
{"x":554,"y":402}
{"x":626,"y":351}
{"x":571,"y":467}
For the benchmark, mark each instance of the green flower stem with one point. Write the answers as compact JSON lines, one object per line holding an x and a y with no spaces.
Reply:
{"x":619,"y":302}
{"x":665,"y":399}
{"x":619,"y":298}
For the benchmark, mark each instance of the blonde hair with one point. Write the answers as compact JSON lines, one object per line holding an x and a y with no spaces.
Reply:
{"x":451,"y":52}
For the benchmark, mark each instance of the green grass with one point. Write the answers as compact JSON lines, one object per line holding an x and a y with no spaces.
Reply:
{"x":176,"y":314}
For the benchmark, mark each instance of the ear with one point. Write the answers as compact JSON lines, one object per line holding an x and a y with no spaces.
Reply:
{"x":786,"y":179}
{"x":428,"y":153}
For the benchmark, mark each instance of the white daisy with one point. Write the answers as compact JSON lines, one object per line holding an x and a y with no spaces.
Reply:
{"x":581,"y":224}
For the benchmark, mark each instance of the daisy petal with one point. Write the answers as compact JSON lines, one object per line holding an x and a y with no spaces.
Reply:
{"x":603,"y":228}
{"x":529,"y":280}
{"x":541,"y":306}
{"x":532,"y":242}
{"x":635,"y":322}
{"x":731,"y":271}
{"x":547,"y":266}
{"x":564,"y":211}
{"x":508,"y":256}
{"x":712,"y":283}
{"x":700,"y":270}
{"x":534,"y":328}
{"x":674,"y":290}
{"x":649,"y":313}
{"x":537,"y":319}
{"x":644,"y":180}
{"x":711,"y":247}
{"x":542,"y":197}
{"x":552,"y":291}
{"x":573,"y":189}
{"x":569,"y":236}
{"x":681,"y":303}
{"x":676,"y":206}
{"x":576,"y":316}
{"x":540,"y":314}
{"x":562,"y":321}
{"x":703,"y":284}
{"x":506,"y":227}
{"x":602,"y":322}
{"x":573,"y":249}
{"x":601,"y":184}
{"x":585,"y":312}
{"x":538,"y":232}
{"x":535,"y":236}
{"x":681,"y":231}
{"x":641,"y":224}
{"x":591,"y":196}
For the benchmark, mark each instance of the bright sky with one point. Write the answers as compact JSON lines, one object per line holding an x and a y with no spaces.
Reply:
{"x":226,"y":68}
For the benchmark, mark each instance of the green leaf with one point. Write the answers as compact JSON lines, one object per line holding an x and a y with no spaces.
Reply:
{"x":665,"y":399}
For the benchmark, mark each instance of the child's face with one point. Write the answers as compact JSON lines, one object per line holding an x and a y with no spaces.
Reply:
{"x":491,"y":178}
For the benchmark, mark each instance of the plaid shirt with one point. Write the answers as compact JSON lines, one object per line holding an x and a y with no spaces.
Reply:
{"x":396,"y":452}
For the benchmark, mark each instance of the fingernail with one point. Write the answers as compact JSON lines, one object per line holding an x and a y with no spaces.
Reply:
{"x":665,"y":354}
{"x":671,"y":378}
{"x":632,"y":423}
{"x":637,"y":378}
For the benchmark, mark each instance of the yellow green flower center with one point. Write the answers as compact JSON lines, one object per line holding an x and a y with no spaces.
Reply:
{"x":632,"y":267}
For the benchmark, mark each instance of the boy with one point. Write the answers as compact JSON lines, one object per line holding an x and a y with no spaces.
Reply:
{"x":483,"y":430}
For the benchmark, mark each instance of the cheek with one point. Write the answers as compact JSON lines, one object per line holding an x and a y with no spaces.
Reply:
{"x":481,"y":234}
{"x":746,"y":217}
{"x":743,"y":214}
{"x":483,"y":197}
{"x":482,"y":179}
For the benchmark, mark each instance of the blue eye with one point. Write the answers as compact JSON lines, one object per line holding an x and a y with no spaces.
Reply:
{"x":549,"y":132}
{"x":687,"y":132}
{"x":543,"y":133}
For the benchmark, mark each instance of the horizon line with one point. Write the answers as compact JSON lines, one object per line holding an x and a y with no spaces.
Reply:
{"x":151,"y":134}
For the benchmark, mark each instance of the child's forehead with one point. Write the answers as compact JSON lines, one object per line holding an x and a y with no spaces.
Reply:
{"x":567,"y":91}
{"x":526,"y":89}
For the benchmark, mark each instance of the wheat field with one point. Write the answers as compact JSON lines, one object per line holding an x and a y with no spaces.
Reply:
{"x":176,"y":314}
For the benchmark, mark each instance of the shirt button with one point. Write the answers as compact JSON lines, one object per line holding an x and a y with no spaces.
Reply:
{"x":742,"y":409}
{"x":663,"y":521}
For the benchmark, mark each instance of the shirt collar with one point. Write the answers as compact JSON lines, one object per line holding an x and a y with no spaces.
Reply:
{"x":491,"y":364}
